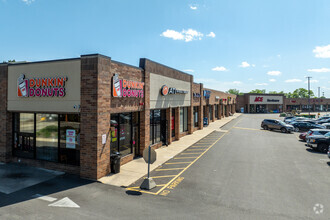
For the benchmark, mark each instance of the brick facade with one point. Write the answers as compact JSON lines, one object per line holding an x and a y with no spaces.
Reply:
{"x":97,"y":105}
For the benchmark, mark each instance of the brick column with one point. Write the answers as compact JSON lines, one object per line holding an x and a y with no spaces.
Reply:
{"x":5,"y":117}
{"x":227,"y":110}
{"x":213,"y":113}
{"x":200,"y":109}
{"x":177,"y":123}
{"x":95,"y":116}
{"x":219,"y":111}
{"x":145,"y":115}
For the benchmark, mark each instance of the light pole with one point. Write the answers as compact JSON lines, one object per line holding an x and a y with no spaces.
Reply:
{"x":319,"y":101}
{"x":309,"y":95}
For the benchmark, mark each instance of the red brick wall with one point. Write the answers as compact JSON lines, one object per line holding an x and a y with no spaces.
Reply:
{"x":95,"y":116}
{"x":5,"y":117}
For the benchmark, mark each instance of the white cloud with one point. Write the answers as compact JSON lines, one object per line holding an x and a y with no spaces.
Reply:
{"x":211,"y":34}
{"x":244,"y":64}
{"x":272,"y":80}
{"x":312,"y":81}
{"x":322,"y":51}
{"x":172,"y":34}
{"x":292,"y":80}
{"x":321,"y":70}
{"x":28,"y":1}
{"x":186,"y":35}
{"x":237,"y":82}
{"x":219,"y":68}
{"x":274,"y":73}
{"x":189,"y":70}
{"x":261,"y":84}
{"x":193,"y":7}
{"x":250,"y":79}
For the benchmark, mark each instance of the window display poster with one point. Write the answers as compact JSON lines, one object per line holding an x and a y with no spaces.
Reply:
{"x":71,"y":139}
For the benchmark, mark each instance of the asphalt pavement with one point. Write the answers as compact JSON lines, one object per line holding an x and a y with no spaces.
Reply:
{"x":248,"y":173}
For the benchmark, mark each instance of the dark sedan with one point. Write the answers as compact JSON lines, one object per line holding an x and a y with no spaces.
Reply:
{"x":305,"y":126}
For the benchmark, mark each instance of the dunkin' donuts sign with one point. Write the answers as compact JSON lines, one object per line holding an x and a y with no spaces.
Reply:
{"x":41,"y":87}
{"x":126,"y":88}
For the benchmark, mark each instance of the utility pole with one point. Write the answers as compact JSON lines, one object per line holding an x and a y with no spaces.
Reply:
{"x":319,"y":102}
{"x":309,"y":96}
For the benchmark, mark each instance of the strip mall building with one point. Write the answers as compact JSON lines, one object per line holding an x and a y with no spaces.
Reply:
{"x":268,"y":103}
{"x":71,"y":114}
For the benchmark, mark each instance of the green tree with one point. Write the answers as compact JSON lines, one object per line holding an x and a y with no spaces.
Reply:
{"x":234,"y":91}
{"x":274,"y":92}
{"x":302,"y":93}
{"x":259,"y":91}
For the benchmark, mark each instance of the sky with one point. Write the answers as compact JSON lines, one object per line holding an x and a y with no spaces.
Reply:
{"x":224,"y":44}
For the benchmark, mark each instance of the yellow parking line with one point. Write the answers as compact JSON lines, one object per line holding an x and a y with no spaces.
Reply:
{"x":155,"y":177}
{"x":177,"y":163}
{"x":169,"y":169}
{"x":189,"y":165}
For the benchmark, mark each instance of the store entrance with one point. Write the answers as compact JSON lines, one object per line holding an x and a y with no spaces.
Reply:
{"x":25,"y":145}
{"x":261,"y":109}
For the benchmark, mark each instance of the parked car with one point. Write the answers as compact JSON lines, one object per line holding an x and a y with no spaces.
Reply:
{"x":326,"y":125}
{"x":316,"y":133}
{"x":323,"y":121}
{"x":302,"y":136}
{"x":319,"y":143}
{"x":272,"y":124}
{"x":305,"y":126}
{"x":299,"y":119}
{"x":288,"y":118}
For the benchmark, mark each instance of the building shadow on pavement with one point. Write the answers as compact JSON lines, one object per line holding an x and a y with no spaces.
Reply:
{"x":26,"y":186}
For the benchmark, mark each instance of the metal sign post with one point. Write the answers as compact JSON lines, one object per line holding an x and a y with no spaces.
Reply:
{"x":148,"y":183}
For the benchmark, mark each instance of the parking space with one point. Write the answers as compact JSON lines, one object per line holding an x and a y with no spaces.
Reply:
{"x":169,"y":175}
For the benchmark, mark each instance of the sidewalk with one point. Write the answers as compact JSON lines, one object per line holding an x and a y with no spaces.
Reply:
{"x":134,"y":170}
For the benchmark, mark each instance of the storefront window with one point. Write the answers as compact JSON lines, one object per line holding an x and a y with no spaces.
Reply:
{"x":196,"y":116}
{"x":69,"y":139}
{"x":47,"y":137}
{"x":125,"y":136}
{"x":121,"y":133}
{"x":210,"y":112}
{"x":24,"y":136}
{"x":183,"y":119}
{"x":155,"y":126}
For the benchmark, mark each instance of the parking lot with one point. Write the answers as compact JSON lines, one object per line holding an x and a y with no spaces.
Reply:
{"x":240,"y":172}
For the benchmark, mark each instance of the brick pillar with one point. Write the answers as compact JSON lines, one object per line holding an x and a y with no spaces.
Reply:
{"x":200,"y":109}
{"x":213,"y":113}
{"x":227,"y":110}
{"x":219,"y":111}
{"x":95,"y":116}
{"x":169,"y":124}
{"x":145,"y":115}
{"x":5,"y":117}
{"x":177,"y":123}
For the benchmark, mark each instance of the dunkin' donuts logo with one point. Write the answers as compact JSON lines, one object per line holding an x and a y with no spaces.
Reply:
{"x":126,"y":88}
{"x":41,"y":87}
